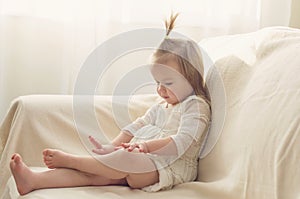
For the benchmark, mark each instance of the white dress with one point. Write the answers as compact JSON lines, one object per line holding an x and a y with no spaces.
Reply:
{"x":187,"y":124}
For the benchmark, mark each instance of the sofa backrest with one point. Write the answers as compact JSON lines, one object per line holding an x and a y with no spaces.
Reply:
{"x":257,"y":147}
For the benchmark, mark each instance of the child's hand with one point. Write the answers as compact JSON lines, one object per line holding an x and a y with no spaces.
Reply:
{"x":135,"y":147}
{"x":101,"y":149}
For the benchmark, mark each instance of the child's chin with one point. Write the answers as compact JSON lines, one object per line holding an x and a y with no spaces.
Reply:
{"x":172,"y":102}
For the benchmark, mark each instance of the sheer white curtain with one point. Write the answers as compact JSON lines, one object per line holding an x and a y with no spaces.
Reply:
{"x":44,"y":42}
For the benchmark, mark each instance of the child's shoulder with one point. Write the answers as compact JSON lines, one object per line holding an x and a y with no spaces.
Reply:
{"x":194,"y":99}
{"x":191,"y":102}
{"x":195,"y":103}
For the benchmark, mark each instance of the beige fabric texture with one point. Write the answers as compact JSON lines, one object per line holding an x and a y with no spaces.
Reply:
{"x":252,"y":153}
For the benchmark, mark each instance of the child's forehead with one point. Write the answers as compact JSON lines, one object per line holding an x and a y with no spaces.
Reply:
{"x":169,"y":65}
{"x":165,"y":72}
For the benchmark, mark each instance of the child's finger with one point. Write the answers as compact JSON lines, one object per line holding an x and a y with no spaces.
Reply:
{"x":99,"y":151}
{"x":132,"y":146}
{"x":118,"y":147}
{"x":125,"y":145}
{"x":94,"y":142}
{"x":141,"y":148}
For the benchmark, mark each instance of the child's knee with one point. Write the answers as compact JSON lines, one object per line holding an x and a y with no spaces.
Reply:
{"x":138,"y":181}
{"x":133,"y":182}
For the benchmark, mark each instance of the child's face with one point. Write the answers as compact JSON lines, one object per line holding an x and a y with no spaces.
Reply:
{"x":171,"y":84}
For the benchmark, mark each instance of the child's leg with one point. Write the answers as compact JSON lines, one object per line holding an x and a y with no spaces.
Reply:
{"x":138,"y":169}
{"x":27,"y":180}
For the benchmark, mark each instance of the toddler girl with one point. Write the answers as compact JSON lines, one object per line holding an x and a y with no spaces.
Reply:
{"x":156,"y":151}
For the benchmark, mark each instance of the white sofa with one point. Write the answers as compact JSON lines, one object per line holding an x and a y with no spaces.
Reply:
{"x":252,"y":154}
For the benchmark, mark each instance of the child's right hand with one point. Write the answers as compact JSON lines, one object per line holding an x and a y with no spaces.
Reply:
{"x":101,"y":149}
{"x":135,"y":147}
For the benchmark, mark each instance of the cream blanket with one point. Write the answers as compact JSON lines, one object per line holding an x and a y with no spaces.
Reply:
{"x":255,"y":155}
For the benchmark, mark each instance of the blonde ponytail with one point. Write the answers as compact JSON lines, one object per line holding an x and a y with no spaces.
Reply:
{"x":170,"y":24}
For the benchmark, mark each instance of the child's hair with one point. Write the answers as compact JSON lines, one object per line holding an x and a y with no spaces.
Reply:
{"x":188,"y":56}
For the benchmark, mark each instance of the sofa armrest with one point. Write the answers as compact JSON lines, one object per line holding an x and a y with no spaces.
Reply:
{"x":36,"y":122}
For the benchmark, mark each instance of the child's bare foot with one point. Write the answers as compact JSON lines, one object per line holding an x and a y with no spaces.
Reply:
{"x":22,"y":175}
{"x":57,"y":159}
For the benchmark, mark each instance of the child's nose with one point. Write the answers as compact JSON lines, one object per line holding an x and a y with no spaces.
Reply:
{"x":161,"y":88}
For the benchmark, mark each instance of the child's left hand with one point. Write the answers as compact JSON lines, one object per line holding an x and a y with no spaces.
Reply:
{"x":101,"y":149}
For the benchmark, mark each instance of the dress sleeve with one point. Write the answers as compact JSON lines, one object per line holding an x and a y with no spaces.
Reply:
{"x":148,"y":118}
{"x":194,"y":123}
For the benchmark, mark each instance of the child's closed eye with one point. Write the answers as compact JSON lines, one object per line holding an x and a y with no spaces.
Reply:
{"x":168,"y":83}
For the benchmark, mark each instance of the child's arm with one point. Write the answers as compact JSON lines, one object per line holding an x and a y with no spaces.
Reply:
{"x":126,"y":134}
{"x":194,"y":124}
{"x":163,"y":146}
{"x":123,"y":137}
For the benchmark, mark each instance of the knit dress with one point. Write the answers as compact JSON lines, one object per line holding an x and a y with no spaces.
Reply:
{"x":187,"y":124}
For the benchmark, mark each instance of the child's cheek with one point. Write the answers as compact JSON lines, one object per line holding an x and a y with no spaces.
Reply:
{"x":181,"y":90}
